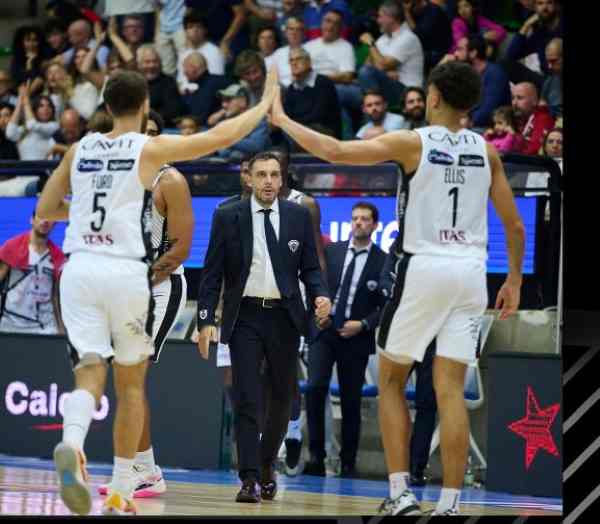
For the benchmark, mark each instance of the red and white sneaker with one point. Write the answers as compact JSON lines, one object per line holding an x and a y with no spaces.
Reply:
{"x":148,"y":483}
{"x":72,"y":475}
{"x":117,"y":504}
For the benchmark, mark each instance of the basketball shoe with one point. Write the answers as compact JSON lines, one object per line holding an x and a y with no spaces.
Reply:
{"x":148,"y":483}
{"x":72,"y":475}
{"x":405,"y":504}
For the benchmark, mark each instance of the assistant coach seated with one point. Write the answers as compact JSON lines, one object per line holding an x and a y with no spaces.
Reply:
{"x":348,"y":338}
{"x":260,"y":247}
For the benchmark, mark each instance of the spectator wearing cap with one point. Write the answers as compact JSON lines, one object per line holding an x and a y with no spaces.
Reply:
{"x":203,"y":100}
{"x":196,"y":40}
{"x":379,"y":119}
{"x":164,"y":95}
{"x":251,"y":70}
{"x":170,"y":34}
{"x":533,"y":120}
{"x":234,"y":101}
{"x":311,"y":99}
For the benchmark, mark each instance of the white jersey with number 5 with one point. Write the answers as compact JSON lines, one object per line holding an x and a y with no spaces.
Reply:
{"x":111,"y":211}
{"x":442,"y":209}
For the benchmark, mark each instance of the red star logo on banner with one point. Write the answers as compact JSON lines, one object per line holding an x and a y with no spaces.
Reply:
{"x":535,"y":428}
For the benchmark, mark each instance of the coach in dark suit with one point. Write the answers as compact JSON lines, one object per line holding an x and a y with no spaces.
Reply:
{"x":260,"y":247}
{"x":353,"y":270}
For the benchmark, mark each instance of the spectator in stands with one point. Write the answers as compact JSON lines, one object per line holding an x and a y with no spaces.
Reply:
{"x":195,"y":40}
{"x":317,"y":9}
{"x":29,"y":52}
{"x":170,"y":34}
{"x":80,"y":35}
{"x":226,"y":24}
{"x":553,"y":145}
{"x":267,"y":41}
{"x":100,"y":122}
{"x":552,"y":94}
{"x":72,"y":129}
{"x":431,"y":24}
{"x":188,"y":125}
{"x":470,"y":22}
{"x":64,"y":10}
{"x":333,"y":56}
{"x":132,"y":32}
{"x":258,"y":140}
{"x":30,"y":268}
{"x":290,"y":8}
{"x":84,"y":97}
{"x":164,"y":95}
{"x":413,"y":107}
{"x":203,"y":100}
{"x":312,"y":98}
{"x":8,"y":149}
{"x":396,"y":59}
{"x":250,"y":69}
{"x":32,"y":138}
{"x":58,"y":86}
{"x":533,"y":120}
{"x":379,"y":119}
{"x":294,"y":33}
{"x":503,"y":134}
{"x":6,"y":88}
{"x":533,"y":37}
{"x":262,"y":13}
{"x":55,"y":32}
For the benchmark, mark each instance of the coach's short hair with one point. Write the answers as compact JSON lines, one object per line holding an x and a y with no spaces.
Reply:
{"x":125,"y":93}
{"x":261,"y":157}
{"x":367,"y":205}
{"x":459,"y":84}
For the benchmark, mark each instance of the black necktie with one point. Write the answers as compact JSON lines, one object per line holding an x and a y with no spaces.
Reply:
{"x":340,"y":308}
{"x":275,"y":255}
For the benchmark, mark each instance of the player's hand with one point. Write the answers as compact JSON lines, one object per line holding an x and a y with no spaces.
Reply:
{"x":206,"y":335}
{"x":350,"y":328}
{"x":277,"y":113}
{"x":508,"y":298}
{"x":271,"y":86}
{"x":322,"y":307}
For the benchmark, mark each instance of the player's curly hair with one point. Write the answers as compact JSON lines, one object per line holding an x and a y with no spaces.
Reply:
{"x":458,"y":83}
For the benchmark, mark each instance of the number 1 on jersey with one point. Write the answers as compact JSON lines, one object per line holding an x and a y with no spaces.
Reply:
{"x":454,"y":193}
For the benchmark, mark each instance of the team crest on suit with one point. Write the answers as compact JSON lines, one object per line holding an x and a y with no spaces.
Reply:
{"x":293,"y":245}
{"x":203,"y":314}
{"x":372,"y":285}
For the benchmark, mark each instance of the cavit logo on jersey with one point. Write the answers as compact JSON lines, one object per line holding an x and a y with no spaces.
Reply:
{"x":88,"y":166}
{"x":121,"y":165}
{"x":439,"y":157}
{"x":471,"y":161}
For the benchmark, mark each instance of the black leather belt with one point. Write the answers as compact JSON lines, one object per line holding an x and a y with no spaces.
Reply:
{"x":267,"y":303}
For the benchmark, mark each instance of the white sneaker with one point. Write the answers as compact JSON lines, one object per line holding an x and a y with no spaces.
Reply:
{"x":451,"y":512}
{"x":147,"y":484}
{"x":117,"y":504}
{"x":73,"y":477}
{"x":405,"y":504}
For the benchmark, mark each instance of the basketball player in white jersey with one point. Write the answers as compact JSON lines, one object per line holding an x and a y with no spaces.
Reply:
{"x":105,"y":291}
{"x":172,"y":232}
{"x":440,"y":291}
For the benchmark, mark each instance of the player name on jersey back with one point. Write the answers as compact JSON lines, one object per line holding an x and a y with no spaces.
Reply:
{"x":111,"y":211}
{"x":442,"y":208}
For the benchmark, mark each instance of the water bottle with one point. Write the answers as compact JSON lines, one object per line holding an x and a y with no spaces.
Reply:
{"x":469,"y":475}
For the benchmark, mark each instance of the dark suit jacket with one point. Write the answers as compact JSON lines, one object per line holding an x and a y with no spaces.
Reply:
{"x":165,"y":98}
{"x":368,"y":301}
{"x":229,"y":257}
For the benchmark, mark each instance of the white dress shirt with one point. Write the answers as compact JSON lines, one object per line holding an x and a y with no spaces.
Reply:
{"x":359,"y":265}
{"x":261,"y":280}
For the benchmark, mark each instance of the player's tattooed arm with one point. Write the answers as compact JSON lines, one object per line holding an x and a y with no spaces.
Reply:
{"x":166,"y":264}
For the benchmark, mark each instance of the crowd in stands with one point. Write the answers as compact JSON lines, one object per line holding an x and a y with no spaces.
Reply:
{"x":349,"y":68}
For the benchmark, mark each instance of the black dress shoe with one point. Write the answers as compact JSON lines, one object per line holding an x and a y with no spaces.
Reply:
{"x":315,"y":468}
{"x":268,"y":489}
{"x":248,"y":492}
{"x":417,"y":480}
{"x":348,"y":472}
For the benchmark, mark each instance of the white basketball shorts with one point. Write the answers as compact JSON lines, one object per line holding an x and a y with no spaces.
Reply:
{"x":107,"y":308}
{"x":169,"y":301}
{"x":434,"y":297}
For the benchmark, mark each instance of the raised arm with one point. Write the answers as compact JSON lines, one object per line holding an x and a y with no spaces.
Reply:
{"x":52,"y":205}
{"x":502,"y":197}
{"x":402,"y":146}
{"x":175,"y":192}
{"x":94,"y":76}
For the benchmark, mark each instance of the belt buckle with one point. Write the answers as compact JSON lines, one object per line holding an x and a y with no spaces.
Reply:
{"x":264,"y":304}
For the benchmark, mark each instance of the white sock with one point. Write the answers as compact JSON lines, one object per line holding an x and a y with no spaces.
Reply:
{"x":449,"y":499}
{"x":123,"y":479}
{"x":398,"y":483}
{"x":293,"y":430}
{"x":78,"y":411}
{"x":146,"y":459}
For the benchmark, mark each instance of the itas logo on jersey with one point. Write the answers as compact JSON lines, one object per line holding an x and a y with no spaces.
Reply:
{"x":452,"y":236}
{"x":89,"y":166}
{"x":471,"y":161}
{"x":439,"y":157}
{"x":121,"y":165}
